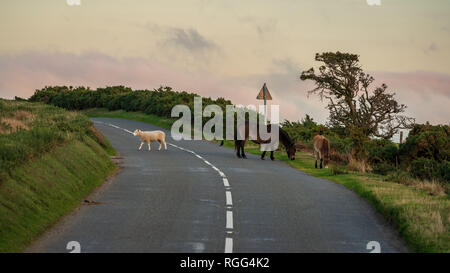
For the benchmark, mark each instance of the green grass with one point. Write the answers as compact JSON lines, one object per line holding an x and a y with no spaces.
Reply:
{"x":422,"y":219}
{"x":137,"y":116}
{"x":44,"y":183}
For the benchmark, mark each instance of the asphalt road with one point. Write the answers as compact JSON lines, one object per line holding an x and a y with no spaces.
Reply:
{"x":199,"y":197}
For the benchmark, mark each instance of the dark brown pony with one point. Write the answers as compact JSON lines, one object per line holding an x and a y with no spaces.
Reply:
{"x":283,"y":138}
{"x":321,"y":150}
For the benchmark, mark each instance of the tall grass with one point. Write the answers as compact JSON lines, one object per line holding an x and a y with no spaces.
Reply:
{"x":42,"y":127}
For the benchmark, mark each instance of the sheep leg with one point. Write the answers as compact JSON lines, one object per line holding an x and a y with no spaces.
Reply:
{"x":142,"y":143}
{"x":149,"y":146}
{"x":160,"y":144}
{"x":165,"y":146}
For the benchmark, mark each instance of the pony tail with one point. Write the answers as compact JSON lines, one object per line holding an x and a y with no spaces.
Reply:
{"x":327,"y":147}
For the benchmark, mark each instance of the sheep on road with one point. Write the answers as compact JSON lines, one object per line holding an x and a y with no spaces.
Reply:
{"x":148,"y":136}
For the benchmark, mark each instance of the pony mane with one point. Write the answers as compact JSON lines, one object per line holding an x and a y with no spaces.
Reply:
{"x":284,"y":134}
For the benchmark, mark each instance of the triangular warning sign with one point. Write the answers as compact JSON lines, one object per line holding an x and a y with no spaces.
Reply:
{"x":264,"y":93}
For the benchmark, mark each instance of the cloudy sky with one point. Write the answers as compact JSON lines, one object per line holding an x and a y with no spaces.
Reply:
{"x":228,"y":48}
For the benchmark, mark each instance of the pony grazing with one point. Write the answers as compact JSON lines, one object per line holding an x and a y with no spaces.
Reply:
{"x":321,"y":150}
{"x":283,"y":138}
{"x":148,"y":136}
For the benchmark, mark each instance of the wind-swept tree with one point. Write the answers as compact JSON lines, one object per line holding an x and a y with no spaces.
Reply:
{"x":362,"y":112}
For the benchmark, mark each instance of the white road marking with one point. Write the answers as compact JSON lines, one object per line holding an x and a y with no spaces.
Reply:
{"x":228,"y":245}
{"x":228,"y":197}
{"x":229,"y":223}
{"x":225,"y":182}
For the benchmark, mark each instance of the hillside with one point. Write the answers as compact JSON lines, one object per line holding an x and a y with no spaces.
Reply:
{"x":50,"y":159}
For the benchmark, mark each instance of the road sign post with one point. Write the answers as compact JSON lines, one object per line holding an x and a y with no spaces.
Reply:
{"x":264,"y":94}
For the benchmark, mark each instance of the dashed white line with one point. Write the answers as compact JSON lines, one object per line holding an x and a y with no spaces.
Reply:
{"x":228,"y":198}
{"x":228,"y":245}
{"x":229,"y":223}
{"x":225,"y":183}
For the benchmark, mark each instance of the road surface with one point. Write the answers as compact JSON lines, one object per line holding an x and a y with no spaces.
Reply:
{"x":199,"y":197}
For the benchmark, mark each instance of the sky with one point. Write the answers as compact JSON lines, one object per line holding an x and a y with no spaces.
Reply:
{"x":228,"y":48}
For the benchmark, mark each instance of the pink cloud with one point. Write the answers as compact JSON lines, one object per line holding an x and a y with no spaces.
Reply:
{"x":427,"y":94}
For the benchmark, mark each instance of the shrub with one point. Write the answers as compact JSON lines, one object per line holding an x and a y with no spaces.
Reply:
{"x":444,"y":172}
{"x":423,"y":168}
{"x":427,"y":141}
{"x":381,"y":151}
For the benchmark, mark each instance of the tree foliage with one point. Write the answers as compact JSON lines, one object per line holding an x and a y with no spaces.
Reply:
{"x":355,"y":108}
{"x":158,"y":101}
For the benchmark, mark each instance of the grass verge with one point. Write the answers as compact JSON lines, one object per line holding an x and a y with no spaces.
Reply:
{"x":43,"y":184}
{"x":422,"y":219}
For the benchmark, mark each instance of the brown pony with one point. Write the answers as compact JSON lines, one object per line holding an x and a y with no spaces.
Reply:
{"x":321,"y":150}
{"x":283,"y":138}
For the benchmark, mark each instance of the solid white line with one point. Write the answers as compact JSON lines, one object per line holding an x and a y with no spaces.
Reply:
{"x":228,"y":245}
{"x":229,"y":199}
{"x":225,"y":182}
{"x":222,"y":174}
{"x":229,"y":223}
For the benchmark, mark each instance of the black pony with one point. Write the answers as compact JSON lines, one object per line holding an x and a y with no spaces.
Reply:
{"x":283,"y":138}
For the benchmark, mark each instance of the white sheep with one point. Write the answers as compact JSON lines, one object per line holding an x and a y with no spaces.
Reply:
{"x":148,"y":136}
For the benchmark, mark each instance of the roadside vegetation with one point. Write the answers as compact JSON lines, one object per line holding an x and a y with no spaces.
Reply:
{"x":50,"y":159}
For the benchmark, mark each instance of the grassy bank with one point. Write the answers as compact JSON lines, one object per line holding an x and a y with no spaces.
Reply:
{"x":50,"y":159}
{"x":421,"y":217}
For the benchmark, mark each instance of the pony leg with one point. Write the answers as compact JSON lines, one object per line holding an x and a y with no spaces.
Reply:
{"x":238,"y":147}
{"x":321,"y":158}
{"x":263,"y":155}
{"x":149,"y":146}
{"x":315,"y":156}
{"x":243,"y":152}
{"x":142,"y":143}
{"x":271,"y":156}
{"x":165,"y":145}
{"x":160,"y":144}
